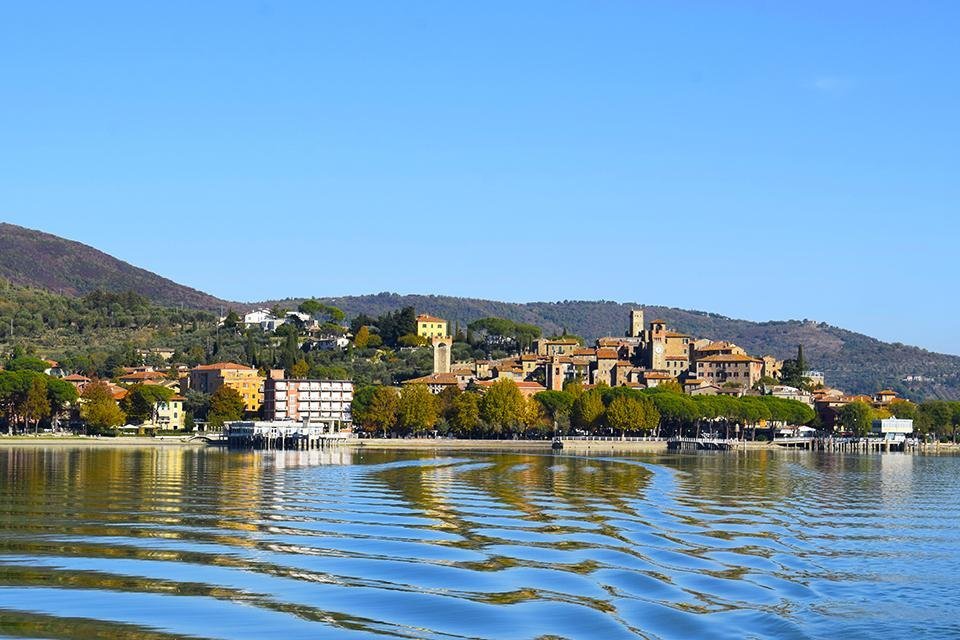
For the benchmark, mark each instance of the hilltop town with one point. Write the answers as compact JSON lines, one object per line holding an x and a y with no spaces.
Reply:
{"x":405,"y":373}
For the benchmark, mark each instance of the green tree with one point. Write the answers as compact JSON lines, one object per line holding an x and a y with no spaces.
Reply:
{"x":417,"y":410}
{"x":375,"y":408}
{"x":792,"y":372}
{"x":501,"y":406}
{"x":362,"y":337}
{"x":27,"y":363}
{"x":904,"y":409}
{"x":587,"y":411}
{"x":465,"y":412}
{"x":935,"y":416}
{"x":310,"y":307}
{"x":141,"y":400}
{"x":671,"y":385}
{"x":226,"y":405}
{"x":632,"y":414}
{"x":36,"y":404}
{"x":412,"y":340}
{"x":856,"y":417}
{"x":61,"y":394}
{"x":232,"y":321}
{"x":300,"y":369}
{"x":556,"y":403}
{"x":98,"y":409}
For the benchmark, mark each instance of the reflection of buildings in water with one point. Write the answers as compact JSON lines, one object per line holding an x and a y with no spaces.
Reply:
{"x":309,"y":458}
{"x":896,"y":477}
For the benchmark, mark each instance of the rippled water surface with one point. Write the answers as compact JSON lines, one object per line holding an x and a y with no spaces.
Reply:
{"x":171,"y":543}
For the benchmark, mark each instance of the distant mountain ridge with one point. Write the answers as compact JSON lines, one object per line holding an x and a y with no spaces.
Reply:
{"x":37,"y":259}
{"x":851,"y":361}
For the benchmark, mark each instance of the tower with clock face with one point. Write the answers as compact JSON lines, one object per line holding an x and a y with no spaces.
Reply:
{"x":658,"y":355}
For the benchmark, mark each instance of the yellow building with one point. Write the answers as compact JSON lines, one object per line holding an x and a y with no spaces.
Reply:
{"x":207,"y":378}
{"x":431,"y":327}
{"x":169,"y":414}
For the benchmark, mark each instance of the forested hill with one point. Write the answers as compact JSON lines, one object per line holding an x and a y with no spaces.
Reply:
{"x":851,"y":361}
{"x":36,"y":259}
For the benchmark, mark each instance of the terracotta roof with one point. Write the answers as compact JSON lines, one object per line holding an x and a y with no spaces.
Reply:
{"x":219,"y":366}
{"x":52,"y":363}
{"x":584,"y":352}
{"x":658,"y":321}
{"x":721,"y":345}
{"x":529,"y":356}
{"x":435,"y":378}
{"x":423,"y":317}
{"x":675,"y":334}
{"x":656,"y":375}
{"x":676,"y":357}
{"x":563,"y":341}
{"x":729,"y":357}
{"x":693,"y":381}
{"x":177,"y":398}
{"x":143,"y":375}
{"x":523,"y":384}
{"x":886,"y":392}
{"x":607,"y":354}
{"x":76,"y":377}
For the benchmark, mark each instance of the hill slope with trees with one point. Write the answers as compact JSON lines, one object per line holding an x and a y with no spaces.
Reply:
{"x":34,"y":259}
{"x":37,"y":259}
{"x":850,"y":360}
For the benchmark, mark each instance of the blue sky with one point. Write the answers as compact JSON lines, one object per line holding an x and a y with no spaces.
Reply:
{"x":764,"y":160}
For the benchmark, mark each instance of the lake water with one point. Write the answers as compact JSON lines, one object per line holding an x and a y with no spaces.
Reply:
{"x":182,"y":543}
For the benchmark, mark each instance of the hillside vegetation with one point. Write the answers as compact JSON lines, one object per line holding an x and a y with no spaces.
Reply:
{"x":850,"y":360}
{"x":36,"y":259}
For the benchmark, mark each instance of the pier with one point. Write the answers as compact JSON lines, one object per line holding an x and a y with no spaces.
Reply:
{"x":699,"y":444}
{"x":285,"y":435}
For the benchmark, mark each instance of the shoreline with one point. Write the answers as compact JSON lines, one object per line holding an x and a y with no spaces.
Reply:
{"x":89,"y":441}
{"x":579,"y":446}
{"x":414,"y":444}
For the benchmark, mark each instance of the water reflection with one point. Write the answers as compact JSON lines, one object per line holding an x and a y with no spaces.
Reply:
{"x":166,"y":542}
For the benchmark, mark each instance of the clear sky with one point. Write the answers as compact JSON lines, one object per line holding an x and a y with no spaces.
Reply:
{"x":763,"y":160}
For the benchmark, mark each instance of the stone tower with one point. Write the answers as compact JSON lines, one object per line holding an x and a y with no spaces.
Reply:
{"x":636,"y":323}
{"x":441,"y":354}
{"x":555,"y":375}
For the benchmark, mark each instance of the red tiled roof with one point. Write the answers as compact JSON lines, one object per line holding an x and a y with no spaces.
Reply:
{"x":220,"y":366}
{"x":76,"y":377}
{"x":435,"y":378}
{"x":656,"y":375}
{"x":423,"y":317}
{"x":607,"y":354}
{"x":523,"y":384}
{"x":730,"y":357}
{"x":143,"y":375}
